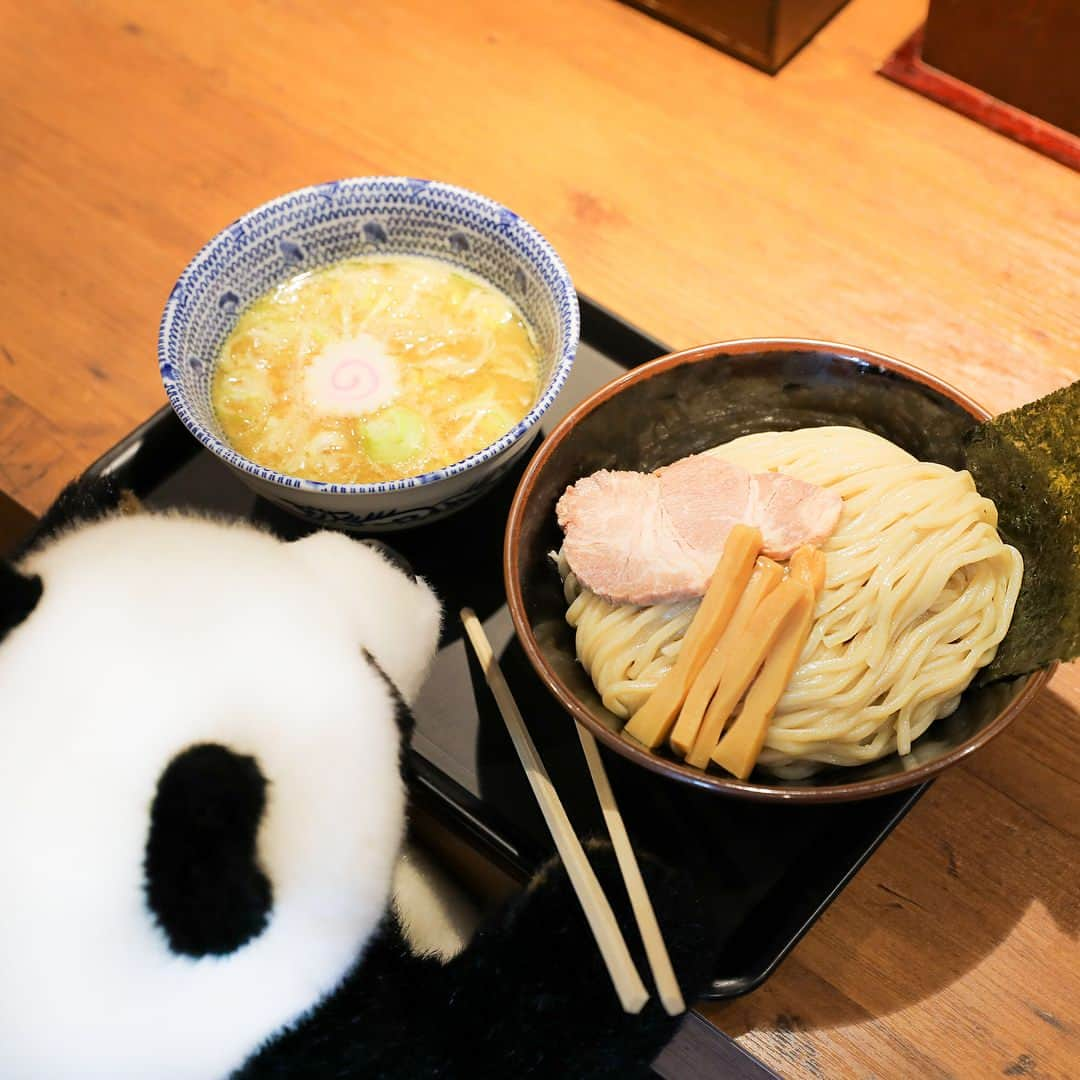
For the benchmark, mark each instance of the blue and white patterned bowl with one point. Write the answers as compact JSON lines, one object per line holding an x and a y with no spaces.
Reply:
{"x":323,"y":224}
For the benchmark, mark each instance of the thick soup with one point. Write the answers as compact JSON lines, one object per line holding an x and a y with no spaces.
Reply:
{"x":374,"y":369}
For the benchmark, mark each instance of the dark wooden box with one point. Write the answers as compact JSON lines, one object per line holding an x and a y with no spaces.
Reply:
{"x":766,"y":33}
{"x":1025,"y":52}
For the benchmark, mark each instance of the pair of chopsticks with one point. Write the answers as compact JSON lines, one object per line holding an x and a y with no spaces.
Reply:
{"x":624,"y":975}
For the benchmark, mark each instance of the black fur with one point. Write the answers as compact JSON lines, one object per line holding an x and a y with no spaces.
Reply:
{"x":403,"y":717}
{"x":83,"y":500}
{"x":203,"y":882}
{"x":393,"y":556}
{"x":528,"y":998}
{"x":19,"y":594}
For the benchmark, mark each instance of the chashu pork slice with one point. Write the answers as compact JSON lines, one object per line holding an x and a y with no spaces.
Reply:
{"x":617,"y":542}
{"x":648,"y":538}
{"x":791,"y":513}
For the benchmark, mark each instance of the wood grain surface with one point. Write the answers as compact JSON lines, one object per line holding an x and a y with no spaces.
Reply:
{"x":700,"y":198}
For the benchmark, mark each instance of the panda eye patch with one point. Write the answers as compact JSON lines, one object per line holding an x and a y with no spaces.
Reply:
{"x":203,"y":881}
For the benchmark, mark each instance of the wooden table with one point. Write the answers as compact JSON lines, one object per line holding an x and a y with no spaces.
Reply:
{"x":700,"y":198}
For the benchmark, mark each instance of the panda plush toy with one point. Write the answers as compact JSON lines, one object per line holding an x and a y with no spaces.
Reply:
{"x":204,"y":810}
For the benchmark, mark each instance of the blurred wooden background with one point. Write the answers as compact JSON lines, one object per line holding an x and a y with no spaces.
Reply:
{"x":703,"y":200}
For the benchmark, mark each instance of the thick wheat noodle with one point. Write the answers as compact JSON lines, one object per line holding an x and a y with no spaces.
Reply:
{"x":919,"y":592}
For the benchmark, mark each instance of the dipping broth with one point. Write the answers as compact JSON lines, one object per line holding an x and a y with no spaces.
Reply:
{"x":374,"y":369}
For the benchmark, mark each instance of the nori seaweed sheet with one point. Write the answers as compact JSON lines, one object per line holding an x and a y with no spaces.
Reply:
{"x":1028,"y":462}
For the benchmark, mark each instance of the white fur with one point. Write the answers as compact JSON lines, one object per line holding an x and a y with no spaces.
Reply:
{"x":154,"y":633}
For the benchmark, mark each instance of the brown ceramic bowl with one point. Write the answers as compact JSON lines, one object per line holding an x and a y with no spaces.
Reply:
{"x":684,"y":403}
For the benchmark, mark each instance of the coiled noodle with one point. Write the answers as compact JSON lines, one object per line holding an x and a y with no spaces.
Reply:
{"x":919,"y":591}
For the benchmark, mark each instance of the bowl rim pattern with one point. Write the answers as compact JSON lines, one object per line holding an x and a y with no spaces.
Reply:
{"x":565,"y":298}
{"x":669,"y":767}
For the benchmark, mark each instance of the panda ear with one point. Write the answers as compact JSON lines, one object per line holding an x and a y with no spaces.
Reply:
{"x":19,"y":594}
{"x":84,"y":500}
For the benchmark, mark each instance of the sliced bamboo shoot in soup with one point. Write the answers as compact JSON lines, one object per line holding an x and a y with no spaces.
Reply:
{"x":374,"y":369}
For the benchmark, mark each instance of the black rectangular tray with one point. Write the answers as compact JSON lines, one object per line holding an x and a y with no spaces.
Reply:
{"x":772,"y":869}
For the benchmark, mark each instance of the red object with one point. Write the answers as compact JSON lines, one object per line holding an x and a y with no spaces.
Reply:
{"x":907,"y":67}
{"x":1021,"y":51}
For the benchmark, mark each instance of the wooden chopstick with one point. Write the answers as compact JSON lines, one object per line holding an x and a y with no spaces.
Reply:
{"x":667,"y":986}
{"x":624,"y":975}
